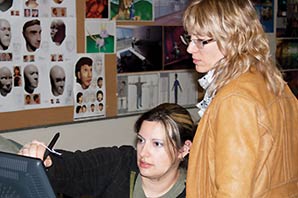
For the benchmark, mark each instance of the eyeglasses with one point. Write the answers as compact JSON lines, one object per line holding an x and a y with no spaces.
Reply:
{"x":199,"y":43}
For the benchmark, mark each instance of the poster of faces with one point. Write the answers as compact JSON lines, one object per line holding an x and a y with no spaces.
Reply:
{"x":37,"y":46}
{"x":90,"y":92}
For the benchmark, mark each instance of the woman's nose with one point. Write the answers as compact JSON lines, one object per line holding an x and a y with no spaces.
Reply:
{"x":191,"y":48}
{"x":144,"y":150}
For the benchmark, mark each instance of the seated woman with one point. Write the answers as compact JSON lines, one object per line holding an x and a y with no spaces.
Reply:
{"x":156,"y":168}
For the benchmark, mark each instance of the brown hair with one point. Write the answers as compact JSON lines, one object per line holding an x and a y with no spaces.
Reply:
{"x":177,"y":122}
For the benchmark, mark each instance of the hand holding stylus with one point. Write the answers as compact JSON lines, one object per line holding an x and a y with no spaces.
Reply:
{"x":50,"y":147}
{"x":40,"y":150}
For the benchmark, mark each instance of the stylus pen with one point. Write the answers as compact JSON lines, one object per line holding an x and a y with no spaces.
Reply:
{"x":51,"y":145}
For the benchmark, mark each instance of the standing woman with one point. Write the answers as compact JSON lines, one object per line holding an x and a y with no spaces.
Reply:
{"x":157,"y":168}
{"x":246,"y":144}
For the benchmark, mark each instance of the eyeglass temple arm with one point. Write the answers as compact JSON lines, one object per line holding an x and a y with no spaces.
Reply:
{"x":183,"y":40}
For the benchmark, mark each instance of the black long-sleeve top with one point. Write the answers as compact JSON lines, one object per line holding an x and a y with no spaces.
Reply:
{"x":100,"y":172}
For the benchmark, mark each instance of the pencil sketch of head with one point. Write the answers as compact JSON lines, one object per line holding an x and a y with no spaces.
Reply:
{"x":58,"y":31}
{"x":57,"y":78}
{"x":5,"y":5}
{"x":32,"y":35}
{"x":31,"y":78}
{"x":5,"y":34}
{"x":5,"y":81}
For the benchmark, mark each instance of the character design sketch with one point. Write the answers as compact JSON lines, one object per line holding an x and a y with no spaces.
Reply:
{"x":139,"y":85}
{"x":176,"y":87}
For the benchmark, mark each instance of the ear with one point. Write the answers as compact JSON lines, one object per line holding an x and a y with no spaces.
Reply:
{"x":185,"y":149}
{"x":79,"y":75}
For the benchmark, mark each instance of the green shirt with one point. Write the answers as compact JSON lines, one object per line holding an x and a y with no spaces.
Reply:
{"x":175,"y":191}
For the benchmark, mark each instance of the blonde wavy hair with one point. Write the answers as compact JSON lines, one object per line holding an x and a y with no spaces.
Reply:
{"x":234,"y":24}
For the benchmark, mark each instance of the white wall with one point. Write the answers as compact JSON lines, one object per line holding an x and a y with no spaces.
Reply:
{"x":85,"y":135}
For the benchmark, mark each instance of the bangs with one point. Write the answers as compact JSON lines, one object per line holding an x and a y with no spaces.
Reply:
{"x":198,"y":21}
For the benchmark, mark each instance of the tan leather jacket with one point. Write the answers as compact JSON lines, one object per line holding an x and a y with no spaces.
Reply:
{"x":246,"y":144}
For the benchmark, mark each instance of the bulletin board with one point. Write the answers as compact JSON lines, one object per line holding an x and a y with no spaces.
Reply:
{"x":171,"y":67}
{"x":59,"y":115}
{"x":62,"y":115}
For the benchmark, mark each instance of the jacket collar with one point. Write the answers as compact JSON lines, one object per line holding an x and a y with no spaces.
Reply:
{"x":205,"y":81}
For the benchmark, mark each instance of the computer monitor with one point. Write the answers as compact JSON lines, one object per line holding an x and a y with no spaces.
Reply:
{"x":23,"y":177}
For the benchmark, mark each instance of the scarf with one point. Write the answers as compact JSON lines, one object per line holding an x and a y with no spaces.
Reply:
{"x":205,"y":81}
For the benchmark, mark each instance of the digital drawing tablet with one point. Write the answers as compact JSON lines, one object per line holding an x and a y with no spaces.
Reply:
{"x":23,"y":177}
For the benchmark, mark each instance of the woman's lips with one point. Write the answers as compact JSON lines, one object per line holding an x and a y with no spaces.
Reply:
{"x":144,"y":165}
{"x":195,"y":61}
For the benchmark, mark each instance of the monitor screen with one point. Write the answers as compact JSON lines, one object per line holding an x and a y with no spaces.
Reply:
{"x":23,"y":177}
